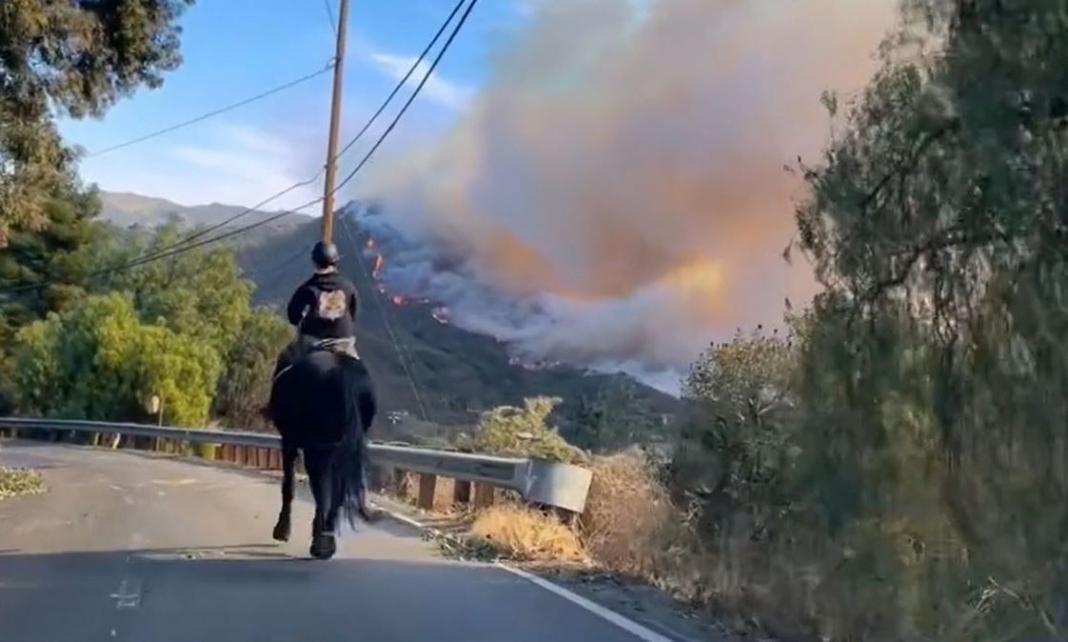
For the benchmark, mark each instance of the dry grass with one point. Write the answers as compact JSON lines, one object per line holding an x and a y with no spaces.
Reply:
{"x":19,"y":481}
{"x":526,"y":534}
{"x":626,"y":512}
{"x":631,"y":526}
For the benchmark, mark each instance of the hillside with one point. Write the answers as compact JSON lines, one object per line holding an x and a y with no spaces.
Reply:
{"x":126,"y":210}
{"x":455,"y":373}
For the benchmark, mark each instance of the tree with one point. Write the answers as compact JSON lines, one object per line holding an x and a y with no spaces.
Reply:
{"x":936,"y":220}
{"x":99,"y":361}
{"x":246,"y":383}
{"x":740,"y":439}
{"x":45,"y":270}
{"x":75,"y":58}
{"x":199,"y":293}
{"x":509,"y":430}
{"x":616,"y":417}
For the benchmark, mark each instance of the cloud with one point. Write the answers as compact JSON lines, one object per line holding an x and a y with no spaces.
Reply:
{"x":616,"y":193}
{"x":235,"y":164}
{"x":438,"y":89}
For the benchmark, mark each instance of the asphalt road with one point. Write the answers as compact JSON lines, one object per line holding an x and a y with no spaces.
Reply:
{"x":135,"y":547}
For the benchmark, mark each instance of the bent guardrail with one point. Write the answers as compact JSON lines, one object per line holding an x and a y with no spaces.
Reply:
{"x":545,"y":482}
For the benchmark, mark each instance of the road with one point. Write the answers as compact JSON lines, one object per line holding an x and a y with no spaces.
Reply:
{"x":136,"y":547}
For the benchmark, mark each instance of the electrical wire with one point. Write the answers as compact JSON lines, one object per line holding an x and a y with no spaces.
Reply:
{"x":411,"y":99}
{"x":384,"y":312}
{"x":367,"y":125}
{"x":211,"y":114}
{"x":187,"y":244}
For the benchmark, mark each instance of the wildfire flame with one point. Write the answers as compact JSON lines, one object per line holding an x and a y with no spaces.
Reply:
{"x":370,"y":243}
{"x":380,"y":262}
{"x":397,"y":299}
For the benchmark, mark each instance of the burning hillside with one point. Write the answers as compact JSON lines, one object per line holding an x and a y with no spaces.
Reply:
{"x":615,"y":197}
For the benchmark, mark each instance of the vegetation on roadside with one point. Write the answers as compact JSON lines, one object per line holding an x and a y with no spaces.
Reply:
{"x":181,"y":329}
{"x":19,"y":481}
{"x":892,"y":466}
{"x":522,"y":533}
{"x":522,"y":432}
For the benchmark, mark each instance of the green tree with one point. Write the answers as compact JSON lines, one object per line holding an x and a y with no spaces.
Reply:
{"x":525,"y":432}
{"x":739,"y":443}
{"x":616,"y":417}
{"x":75,"y":58}
{"x":936,"y":371}
{"x":45,"y":271}
{"x":246,"y":383}
{"x":99,"y":361}
{"x":199,"y":293}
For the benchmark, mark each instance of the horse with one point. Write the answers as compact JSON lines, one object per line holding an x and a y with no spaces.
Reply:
{"x":323,"y":404}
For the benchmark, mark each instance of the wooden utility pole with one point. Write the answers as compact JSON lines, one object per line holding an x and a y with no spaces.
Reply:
{"x":335,"y":121}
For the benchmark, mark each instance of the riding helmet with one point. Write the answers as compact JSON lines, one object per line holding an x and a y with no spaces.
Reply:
{"x":325,"y":254}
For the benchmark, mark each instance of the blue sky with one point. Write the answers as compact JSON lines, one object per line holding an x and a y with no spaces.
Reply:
{"x":236,"y":48}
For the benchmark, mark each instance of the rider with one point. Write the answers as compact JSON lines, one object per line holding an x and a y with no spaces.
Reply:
{"x":324,"y":307}
{"x":324,"y":311}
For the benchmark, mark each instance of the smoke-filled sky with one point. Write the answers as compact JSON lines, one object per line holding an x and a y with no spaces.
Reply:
{"x":616,"y":195}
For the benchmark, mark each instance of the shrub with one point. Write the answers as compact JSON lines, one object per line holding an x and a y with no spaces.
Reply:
{"x":522,"y":432}
{"x":524,"y":533}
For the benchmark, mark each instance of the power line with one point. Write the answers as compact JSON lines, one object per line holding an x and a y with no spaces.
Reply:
{"x":383,"y":311}
{"x":367,"y":125}
{"x":411,"y":98}
{"x":330,"y":16}
{"x":169,"y":251}
{"x":215,"y":112}
{"x":404,"y":79}
{"x":185,"y":243}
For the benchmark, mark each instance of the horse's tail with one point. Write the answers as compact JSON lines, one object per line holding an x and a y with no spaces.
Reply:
{"x":352,"y":463}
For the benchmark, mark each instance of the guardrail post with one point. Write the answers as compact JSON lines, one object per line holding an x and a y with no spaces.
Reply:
{"x":461,"y":492}
{"x":427,"y":488}
{"x":484,"y":494}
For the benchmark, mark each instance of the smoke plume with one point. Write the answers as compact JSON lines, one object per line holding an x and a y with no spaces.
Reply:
{"x":616,"y":196}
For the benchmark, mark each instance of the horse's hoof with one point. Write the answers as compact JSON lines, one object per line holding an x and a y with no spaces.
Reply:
{"x":323,"y":546}
{"x":281,"y":531}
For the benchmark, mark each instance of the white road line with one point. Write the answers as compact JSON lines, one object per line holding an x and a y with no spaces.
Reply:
{"x":625,"y":623}
{"x":128,"y":595}
{"x":630,"y":626}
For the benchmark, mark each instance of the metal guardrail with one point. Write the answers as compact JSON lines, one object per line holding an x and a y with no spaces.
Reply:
{"x":546,"y":482}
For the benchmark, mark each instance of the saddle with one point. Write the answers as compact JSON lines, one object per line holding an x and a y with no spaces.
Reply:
{"x":305,"y":344}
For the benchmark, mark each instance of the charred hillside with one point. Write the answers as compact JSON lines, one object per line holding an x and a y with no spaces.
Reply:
{"x":421,"y":361}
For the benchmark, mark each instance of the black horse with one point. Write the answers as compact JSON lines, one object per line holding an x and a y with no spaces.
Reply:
{"x":323,"y":404}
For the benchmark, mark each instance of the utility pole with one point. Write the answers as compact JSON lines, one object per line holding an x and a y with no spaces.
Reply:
{"x":335,"y":118}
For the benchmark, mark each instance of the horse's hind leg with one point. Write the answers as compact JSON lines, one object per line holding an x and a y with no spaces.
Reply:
{"x":318,"y":462}
{"x":283,"y":527}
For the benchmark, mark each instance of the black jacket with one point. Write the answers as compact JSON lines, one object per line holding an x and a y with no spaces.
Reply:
{"x":324,"y":306}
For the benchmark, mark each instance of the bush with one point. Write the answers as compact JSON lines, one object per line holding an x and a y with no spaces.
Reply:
{"x":523,"y":533}
{"x":521,"y":432}
{"x":98,"y":361}
{"x":250,"y":362}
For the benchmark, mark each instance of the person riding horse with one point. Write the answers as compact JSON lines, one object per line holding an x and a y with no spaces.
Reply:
{"x":323,"y":309}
